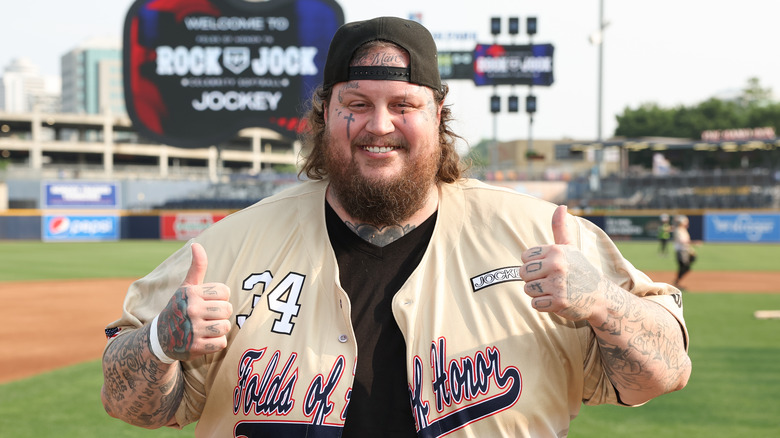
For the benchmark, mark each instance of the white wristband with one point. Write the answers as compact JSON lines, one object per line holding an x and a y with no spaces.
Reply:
{"x":155,"y":343}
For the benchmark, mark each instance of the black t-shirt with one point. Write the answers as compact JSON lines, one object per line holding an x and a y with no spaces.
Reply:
{"x":380,"y":404}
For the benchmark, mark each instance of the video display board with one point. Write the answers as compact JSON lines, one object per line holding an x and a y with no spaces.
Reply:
{"x":198,"y":71}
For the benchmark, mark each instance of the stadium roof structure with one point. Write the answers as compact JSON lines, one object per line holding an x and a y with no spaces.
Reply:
{"x":663,"y":143}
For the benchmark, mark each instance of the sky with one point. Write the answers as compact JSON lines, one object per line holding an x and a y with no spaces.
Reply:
{"x":669,"y":52}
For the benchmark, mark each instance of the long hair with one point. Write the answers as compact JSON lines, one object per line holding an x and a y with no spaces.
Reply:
{"x":312,"y":138}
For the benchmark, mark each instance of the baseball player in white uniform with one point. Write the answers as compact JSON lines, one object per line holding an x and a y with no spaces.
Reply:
{"x":389,"y":295}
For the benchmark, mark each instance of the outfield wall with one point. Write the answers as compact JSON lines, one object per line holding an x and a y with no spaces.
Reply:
{"x":92,"y":225}
{"x":743,"y":226}
{"x":97,"y":225}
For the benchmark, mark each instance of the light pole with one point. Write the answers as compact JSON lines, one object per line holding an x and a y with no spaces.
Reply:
{"x":598,"y":39}
{"x":530,"y":99}
{"x":602,"y":26}
{"x":495,"y":100}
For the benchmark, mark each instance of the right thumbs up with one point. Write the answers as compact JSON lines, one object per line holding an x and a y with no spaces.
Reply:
{"x":197,"y":318}
{"x":198,"y":266}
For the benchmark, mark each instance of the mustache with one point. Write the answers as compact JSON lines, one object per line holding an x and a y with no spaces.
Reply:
{"x":375,"y":140}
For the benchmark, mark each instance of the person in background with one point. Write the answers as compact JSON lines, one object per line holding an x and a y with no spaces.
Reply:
{"x":664,"y":234}
{"x":389,"y":295}
{"x":683,"y":248}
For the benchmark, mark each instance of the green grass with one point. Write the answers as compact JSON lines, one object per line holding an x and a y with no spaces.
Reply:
{"x":733,"y":391}
{"x":35,"y":260}
{"x":65,"y":403}
{"x":710,"y":256}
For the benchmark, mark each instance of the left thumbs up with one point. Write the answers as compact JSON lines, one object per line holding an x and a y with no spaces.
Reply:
{"x":561,"y":233}
{"x":558,"y":277}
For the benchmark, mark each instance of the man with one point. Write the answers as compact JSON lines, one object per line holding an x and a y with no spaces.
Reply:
{"x":389,"y":296}
{"x":664,"y":234}
{"x":683,"y":249}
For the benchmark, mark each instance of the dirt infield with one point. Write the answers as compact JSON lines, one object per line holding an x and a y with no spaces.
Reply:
{"x":723,"y":281}
{"x":51,"y":324}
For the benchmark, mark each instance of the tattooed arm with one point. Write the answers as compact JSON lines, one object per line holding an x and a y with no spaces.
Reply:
{"x":141,"y":389}
{"x":137,"y":387}
{"x":641,"y":343}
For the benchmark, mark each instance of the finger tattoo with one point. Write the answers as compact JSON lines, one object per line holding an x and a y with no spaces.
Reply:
{"x":536,"y":287}
{"x":542,"y":303}
{"x":533,"y":267}
{"x":535,"y":251}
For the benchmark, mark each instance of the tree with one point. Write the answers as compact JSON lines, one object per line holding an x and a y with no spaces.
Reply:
{"x":768,"y":115}
{"x":647,"y":120}
{"x":754,"y":94}
{"x":752,"y":109}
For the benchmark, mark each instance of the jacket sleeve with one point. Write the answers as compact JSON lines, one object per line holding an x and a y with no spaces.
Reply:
{"x":602,"y":252}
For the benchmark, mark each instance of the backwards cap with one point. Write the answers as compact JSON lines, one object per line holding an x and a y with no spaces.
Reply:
{"x":423,"y":62}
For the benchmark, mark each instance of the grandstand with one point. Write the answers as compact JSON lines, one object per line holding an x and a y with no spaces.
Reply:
{"x":258,"y":162}
{"x":715,"y":175}
{"x":37,"y":147}
{"x":731,"y":189}
{"x":238,"y":193}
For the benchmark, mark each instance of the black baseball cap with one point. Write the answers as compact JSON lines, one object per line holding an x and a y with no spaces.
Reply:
{"x":423,"y":56}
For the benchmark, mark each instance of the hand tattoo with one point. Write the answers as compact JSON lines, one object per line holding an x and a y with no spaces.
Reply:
{"x":177,"y":331}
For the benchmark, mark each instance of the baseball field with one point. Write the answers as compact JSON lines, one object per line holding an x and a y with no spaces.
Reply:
{"x":57,"y":298}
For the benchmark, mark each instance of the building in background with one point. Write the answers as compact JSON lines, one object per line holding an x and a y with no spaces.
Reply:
{"x":92,"y":78}
{"x":23,"y":89}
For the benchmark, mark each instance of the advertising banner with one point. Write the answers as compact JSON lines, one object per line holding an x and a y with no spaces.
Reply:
{"x":632,"y":227}
{"x":742,"y":227}
{"x":198,"y":71}
{"x":64,"y":194}
{"x":497,"y":64}
{"x":184,"y":226}
{"x":68,"y":227}
{"x":456,"y":65}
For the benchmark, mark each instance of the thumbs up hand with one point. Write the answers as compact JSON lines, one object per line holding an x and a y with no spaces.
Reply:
{"x":197,"y":318}
{"x":559,"y":278}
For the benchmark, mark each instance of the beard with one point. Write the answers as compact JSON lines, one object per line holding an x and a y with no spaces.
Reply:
{"x":380,"y":201}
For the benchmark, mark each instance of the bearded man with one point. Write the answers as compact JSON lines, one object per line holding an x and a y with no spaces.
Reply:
{"x":388,"y":295}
